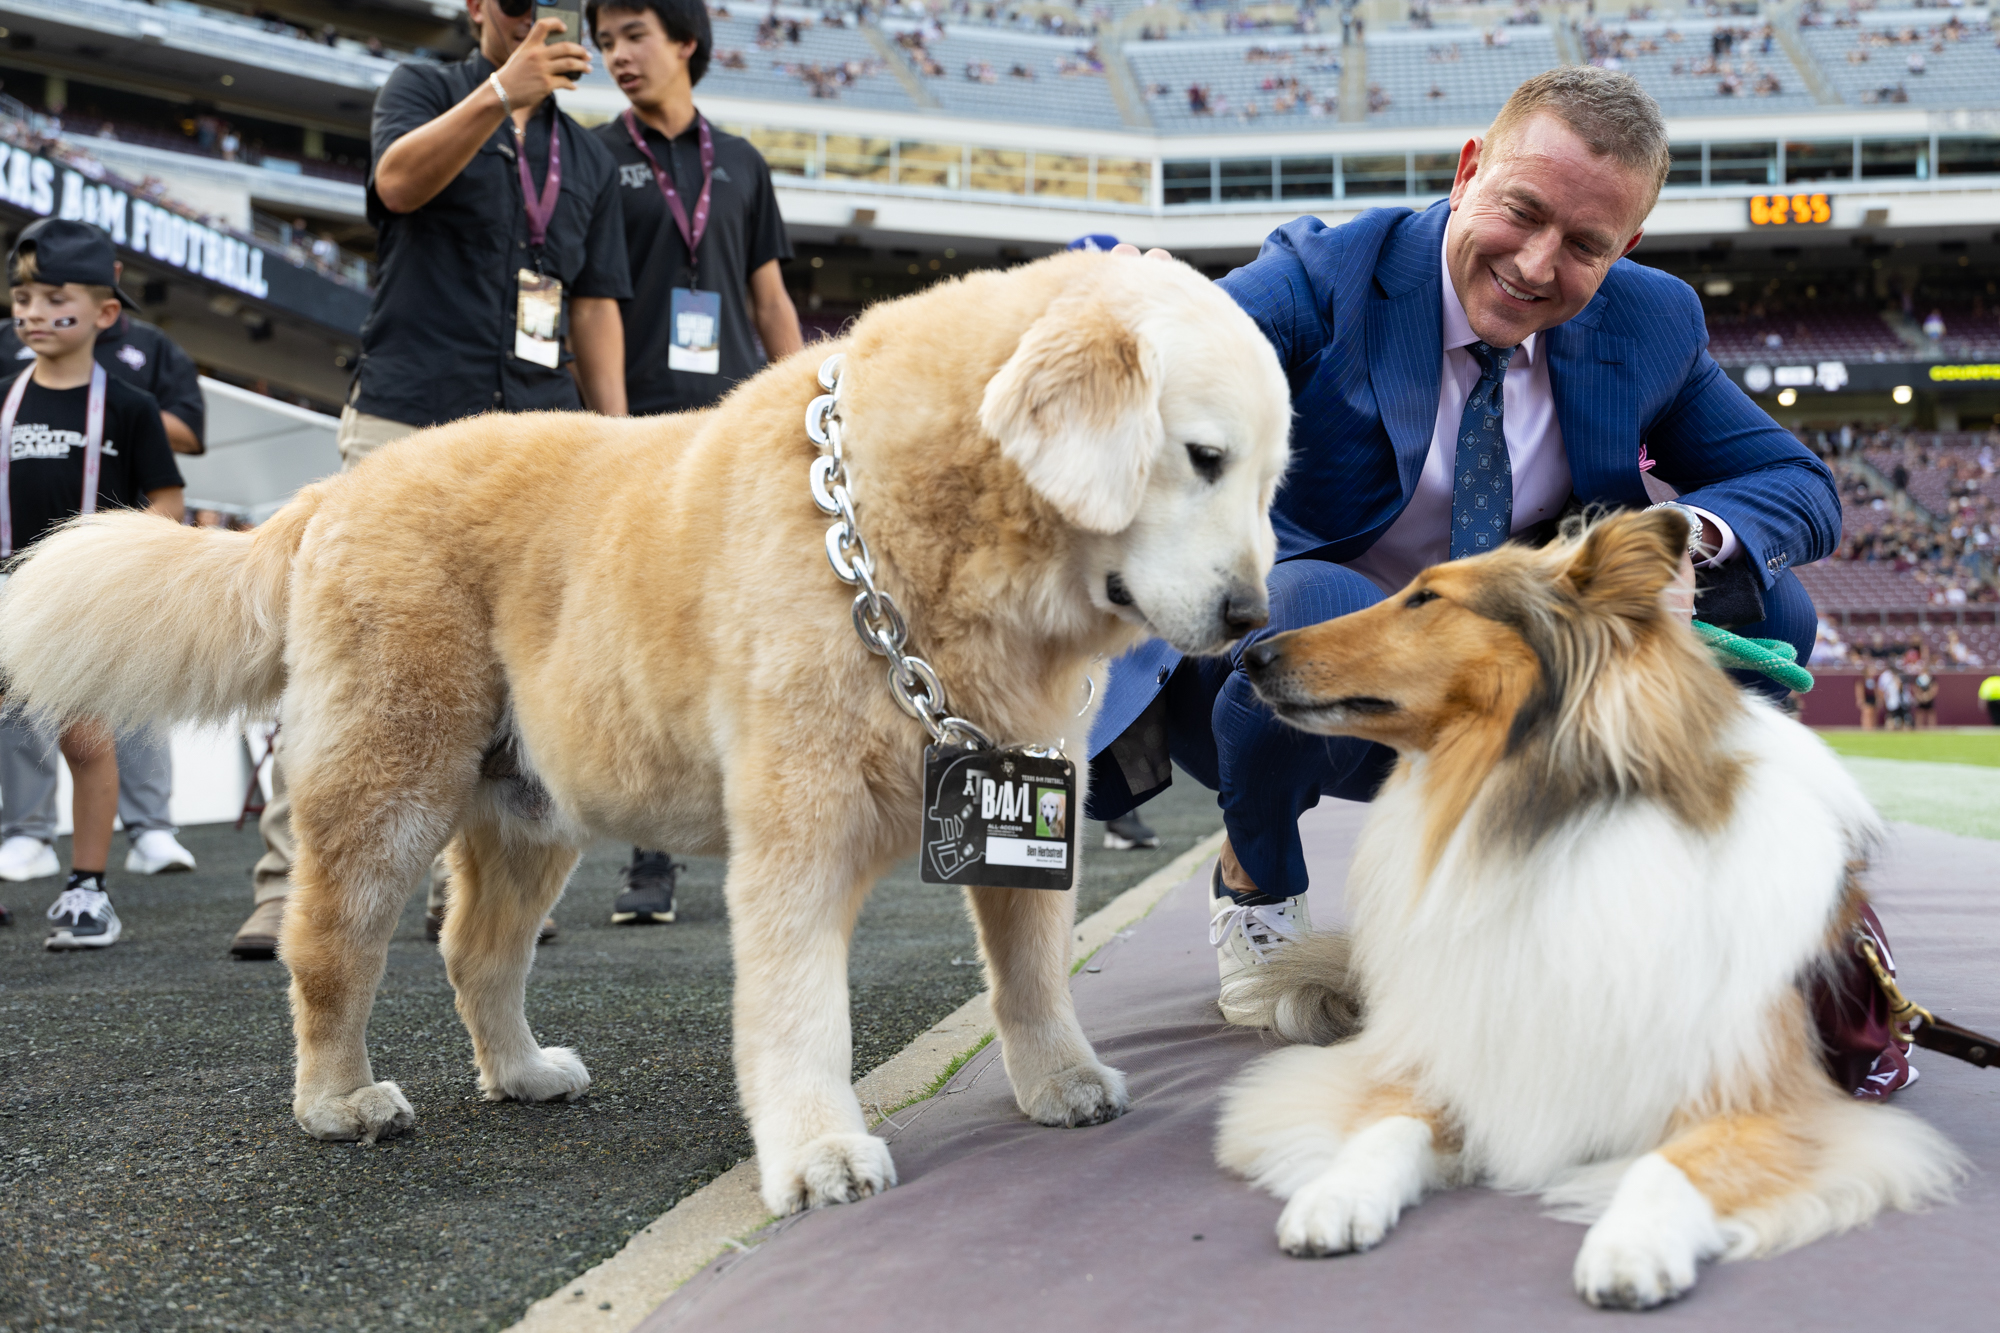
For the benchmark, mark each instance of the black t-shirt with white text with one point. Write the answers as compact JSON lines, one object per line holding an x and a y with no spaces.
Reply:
{"x":45,"y":472}
{"x":744,"y":233}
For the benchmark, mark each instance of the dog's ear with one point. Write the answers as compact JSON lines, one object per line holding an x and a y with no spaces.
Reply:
{"x":1078,"y":408}
{"x":1623,"y":562}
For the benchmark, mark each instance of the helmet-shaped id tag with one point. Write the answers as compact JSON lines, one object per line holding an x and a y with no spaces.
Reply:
{"x":1005,"y":818}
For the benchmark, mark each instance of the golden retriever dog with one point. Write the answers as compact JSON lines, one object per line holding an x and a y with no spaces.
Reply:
{"x":513,"y":634}
{"x":1053,"y":814}
{"x":1585,"y":913}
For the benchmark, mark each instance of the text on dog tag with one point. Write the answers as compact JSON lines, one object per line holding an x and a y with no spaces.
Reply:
{"x":1003,"y":818}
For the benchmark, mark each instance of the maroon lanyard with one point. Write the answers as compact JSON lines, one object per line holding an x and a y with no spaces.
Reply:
{"x":542,"y":209}
{"x":690,"y":231}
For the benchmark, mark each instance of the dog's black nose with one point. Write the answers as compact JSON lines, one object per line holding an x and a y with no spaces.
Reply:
{"x":1262,"y":654}
{"x":1243,"y":612}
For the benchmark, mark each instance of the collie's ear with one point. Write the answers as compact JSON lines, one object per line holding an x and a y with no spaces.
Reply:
{"x":1078,"y":408}
{"x":1623,"y":562}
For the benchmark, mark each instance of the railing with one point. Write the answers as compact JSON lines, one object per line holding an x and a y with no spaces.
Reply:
{"x":173,"y":141}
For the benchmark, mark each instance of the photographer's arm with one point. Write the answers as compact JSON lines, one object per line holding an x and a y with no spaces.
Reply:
{"x":167,"y":503}
{"x":597,"y":335}
{"x":422,"y":162}
{"x":772,"y":311}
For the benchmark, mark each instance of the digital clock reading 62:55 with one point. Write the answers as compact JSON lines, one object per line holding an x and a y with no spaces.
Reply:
{"x":1790,"y":210}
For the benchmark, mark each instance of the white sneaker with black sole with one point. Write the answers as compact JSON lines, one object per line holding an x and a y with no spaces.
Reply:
{"x":23,"y":858}
{"x":84,"y":916}
{"x":158,"y":852}
{"x":1245,"y":937}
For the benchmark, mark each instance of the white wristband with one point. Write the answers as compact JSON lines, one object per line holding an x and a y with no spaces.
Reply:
{"x":506,"y":102}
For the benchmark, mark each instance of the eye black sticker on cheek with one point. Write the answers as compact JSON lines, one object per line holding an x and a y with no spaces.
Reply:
{"x":64,"y":321}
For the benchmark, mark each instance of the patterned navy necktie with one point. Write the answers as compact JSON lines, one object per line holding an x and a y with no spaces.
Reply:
{"x":1482,"y":484}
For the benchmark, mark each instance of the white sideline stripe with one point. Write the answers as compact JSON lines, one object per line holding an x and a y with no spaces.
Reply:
{"x":683,"y":1240}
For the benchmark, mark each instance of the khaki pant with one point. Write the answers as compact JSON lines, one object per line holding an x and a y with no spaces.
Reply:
{"x":360,"y":435}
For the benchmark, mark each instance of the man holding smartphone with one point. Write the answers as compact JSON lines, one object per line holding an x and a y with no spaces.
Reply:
{"x":501,"y":265}
{"x":704,"y":239}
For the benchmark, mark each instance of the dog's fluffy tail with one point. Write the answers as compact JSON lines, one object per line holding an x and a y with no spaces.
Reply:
{"x":132,"y":619}
{"x":1306,"y":992}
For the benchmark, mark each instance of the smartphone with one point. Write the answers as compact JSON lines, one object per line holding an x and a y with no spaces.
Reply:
{"x":571,"y":14}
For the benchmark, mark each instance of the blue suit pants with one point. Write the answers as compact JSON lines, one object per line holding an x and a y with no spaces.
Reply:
{"x":1266,"y":774}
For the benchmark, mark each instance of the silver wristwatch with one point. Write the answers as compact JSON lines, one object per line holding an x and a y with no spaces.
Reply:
{"x":1696,"y":528}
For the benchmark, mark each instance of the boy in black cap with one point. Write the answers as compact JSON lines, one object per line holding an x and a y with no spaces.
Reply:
{"x":142,"y":356}
{"x":77,"y":441}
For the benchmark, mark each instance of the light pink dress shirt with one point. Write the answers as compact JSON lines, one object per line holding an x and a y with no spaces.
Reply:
{"x":1421,"y":535}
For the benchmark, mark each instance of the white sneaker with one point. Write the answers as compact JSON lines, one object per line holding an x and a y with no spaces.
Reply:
{"x":1247,"y":937}
{"x":84,"y":919}
{"x":156,"y":852}
{"x":24,"y":858}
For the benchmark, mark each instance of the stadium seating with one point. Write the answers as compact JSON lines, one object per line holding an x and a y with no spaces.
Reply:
{"x":995,"y":74}
{"x":1686,"y":64}
{"x":1939,"y":468}
{"x":1829,"y":335}
{"x":1971,"y":333}
{"x":803,"y":59}
{"x":1247,"y":83}
{"x":1450,"y":76}
{"x":1870,"y":59}
{"x":1862,"y":514}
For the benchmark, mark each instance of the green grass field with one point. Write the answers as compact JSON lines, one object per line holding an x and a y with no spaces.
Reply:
{"x":1947,"y":745}
{"x":1948,"y":778}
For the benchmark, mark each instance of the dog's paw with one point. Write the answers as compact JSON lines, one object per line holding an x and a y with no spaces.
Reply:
{"x":1633,"y":1268}
{"x":556,"y":1074}
{"x":834,"y":1168}
{"x":1648,"y":1246}
{"x":370,"y":1112}
{"x":1080,"y":1095}
{"x":1330,"y":1216}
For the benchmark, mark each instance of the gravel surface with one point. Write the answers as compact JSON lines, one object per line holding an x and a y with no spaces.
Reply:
{"x":151,"y":1176}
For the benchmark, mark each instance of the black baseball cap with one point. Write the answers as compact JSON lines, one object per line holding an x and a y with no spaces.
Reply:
{"x":67,"y":251}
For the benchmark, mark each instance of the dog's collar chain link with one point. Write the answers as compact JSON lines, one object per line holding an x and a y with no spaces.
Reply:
{"x":877,"y":619}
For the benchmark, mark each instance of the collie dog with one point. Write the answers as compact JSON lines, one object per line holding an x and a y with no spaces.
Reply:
{"x":1586,"y":911}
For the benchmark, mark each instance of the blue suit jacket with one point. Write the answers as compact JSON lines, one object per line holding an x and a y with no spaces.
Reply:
{"x":1356,"y":315}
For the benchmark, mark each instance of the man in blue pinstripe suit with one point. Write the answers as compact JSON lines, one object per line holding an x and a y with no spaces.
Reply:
{"x":1463,"y":375}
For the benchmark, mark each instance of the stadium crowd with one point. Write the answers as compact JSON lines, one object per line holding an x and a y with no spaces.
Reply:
{"x":1919,"y":517}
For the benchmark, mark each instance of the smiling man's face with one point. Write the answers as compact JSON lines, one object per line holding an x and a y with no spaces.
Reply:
{"x":1535,"y":226}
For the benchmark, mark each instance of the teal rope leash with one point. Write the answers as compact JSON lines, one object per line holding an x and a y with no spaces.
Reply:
{"x":1773,"y":657}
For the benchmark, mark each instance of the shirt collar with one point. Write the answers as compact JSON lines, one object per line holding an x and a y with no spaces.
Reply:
{"x":1457,"y":331}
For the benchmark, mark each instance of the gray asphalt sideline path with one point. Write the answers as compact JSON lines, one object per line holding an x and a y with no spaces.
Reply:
{"x":151,"y":1176}
{"x":999,"y":1225}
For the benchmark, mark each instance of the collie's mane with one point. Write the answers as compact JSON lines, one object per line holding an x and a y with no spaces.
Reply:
{"x":1629,"y":704}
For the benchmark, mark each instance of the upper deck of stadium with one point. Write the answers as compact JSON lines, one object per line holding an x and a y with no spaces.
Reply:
{"x":923,"y":119}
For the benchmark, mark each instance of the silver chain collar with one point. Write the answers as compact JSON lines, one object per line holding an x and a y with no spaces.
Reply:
{"x":877,"y":619}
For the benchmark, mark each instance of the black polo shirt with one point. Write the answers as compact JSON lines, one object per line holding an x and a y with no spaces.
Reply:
{"x":744,"y":233}
{"x":439,"y":341}
{"x":140,"y":354}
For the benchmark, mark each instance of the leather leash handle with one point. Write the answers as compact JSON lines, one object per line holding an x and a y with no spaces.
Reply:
{"x":1958,"y":1043}
{"x":1926,"y":1029}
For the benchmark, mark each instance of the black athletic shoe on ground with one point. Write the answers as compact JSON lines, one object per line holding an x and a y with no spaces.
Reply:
{"x":1127,"y":832}
{"x":83,"y":915}
{"x":649,"y":891}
